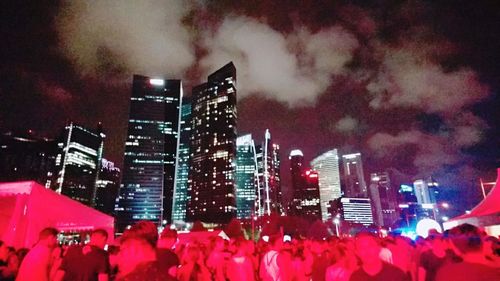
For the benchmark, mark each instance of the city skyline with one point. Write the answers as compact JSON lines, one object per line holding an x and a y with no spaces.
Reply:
{"x":411,"y":86}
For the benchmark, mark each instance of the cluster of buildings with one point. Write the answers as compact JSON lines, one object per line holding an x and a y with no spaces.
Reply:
{"x":185,"y":161}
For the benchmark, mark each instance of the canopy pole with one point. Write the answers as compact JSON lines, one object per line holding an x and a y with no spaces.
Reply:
{"x":482,"y":187}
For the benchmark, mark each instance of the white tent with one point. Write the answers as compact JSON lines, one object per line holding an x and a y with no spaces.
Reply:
{"x":485,"y":215}
{"x":28,"y":207}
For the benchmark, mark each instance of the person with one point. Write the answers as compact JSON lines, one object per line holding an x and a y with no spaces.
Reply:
{"x":217,"y":259}
{"x":433,"y":259}
{"x":344,"y":264}
{"x":167,"y":259}
{"x":137,"y":257}
{"x":372,"y":267}
{"x":37,"y":263}
{"x":86,"y":263}
{"x":240,"y":266}
{"x":275,"y":266}
{"x":193,"y":267}
{"x":475,"y":266}
{"x":4,"y":260}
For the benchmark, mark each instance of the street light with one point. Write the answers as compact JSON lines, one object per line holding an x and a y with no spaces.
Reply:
{"x":445,"y":205}
{"x":336,"y":221}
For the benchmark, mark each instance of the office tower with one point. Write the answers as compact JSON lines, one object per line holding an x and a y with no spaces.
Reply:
{"x":327,"y":166}
{"x":357,"y":210}
{"x":269,"y":189}
{"x":310,"y":196}
{"x":297,"y":169}
{"x":355,"y":186}
{"x":107,"y":184}
{"x":407,"y":194}
{"x":181,"y":196}
{"x":150,"y":152}
{"x":422,"y":192}
{"x":27,"y":157}
{"x":433,"y":187}
{"x":246,"y":177}
{"x":78,"y":163}
{"x":384,"y":199}
{"x":213,"y":148}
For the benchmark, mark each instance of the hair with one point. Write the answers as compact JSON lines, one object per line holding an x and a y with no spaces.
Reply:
{"x":113,"y":250}
{"x":168,"y":233}
{"x":99,"y":231}
{"x":47,"y":232}
{"x":144,"y":231}
{"x":466,"y":238}
{"x":1,"y":243}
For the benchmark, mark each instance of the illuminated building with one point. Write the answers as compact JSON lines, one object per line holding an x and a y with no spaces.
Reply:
{"x":297,"y":169}
{"x":422,"y":192}
{"x":327,"y":166}
{"x":146,"y":191}
{"x":181,"y":195}
{"x":78,"y":163}
{"x":357,"y":210}
{"x":107,"y":184}
{"x":355,"y":185}
{"x":310,"y":196}
{"x":26,"y":157}
{"x":384,"y":199}
{"x":269,"y":194}
{"x":246,"y":177}
{"x":213,"y":148}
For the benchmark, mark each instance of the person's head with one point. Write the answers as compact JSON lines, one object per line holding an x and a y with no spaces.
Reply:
{"x":48,"y":237}
{"x":99,"y":238}
{"x":137,"y":245}
{"x":276,"y":241}
{"x":4,"y":251}
{"x":436,"y":241}
{"x":466,"y":238}
{"x":367,"y":247}
{"x":168,"y":238}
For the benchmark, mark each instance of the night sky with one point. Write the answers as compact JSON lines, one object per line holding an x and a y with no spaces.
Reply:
{"x":412,"y":85}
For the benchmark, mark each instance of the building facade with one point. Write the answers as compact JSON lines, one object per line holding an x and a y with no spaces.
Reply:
{"x":357,"y":210}
{"x":147,"y":186}
{"x":327,"y":167}
{"x":246,"y":177}
{"x":355,"y":185}
{"x":78,"y":163}
{"x":384,"y":199}
{"x":213,"y":148}
{"x":181,"y":195}
{"x":108,"y":185}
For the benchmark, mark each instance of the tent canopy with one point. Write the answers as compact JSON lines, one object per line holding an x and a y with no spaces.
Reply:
{"x":486,"y":213}
{"x":28,"y":207}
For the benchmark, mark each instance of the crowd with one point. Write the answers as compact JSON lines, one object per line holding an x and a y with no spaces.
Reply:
{"x":463,"y":253}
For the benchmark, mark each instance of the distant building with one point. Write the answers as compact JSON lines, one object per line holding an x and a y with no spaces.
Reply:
{"x":355,"y":185}
{"x":108,"y":185}
{"x":27,"y":157}
{"x":357,"y":210}
{"x":147,"y":188}
{"x":310,"y":196}
{"x":246,"y":177}
{"x":384,"y":199}
{"x":181,"y":188}
{"x":327,"y":166}
{"x":426,"y":191}
{"x":78,"y":163}
{"x":269,"y":194}
{"x":297,"y":170}
{"x":213,"y":148}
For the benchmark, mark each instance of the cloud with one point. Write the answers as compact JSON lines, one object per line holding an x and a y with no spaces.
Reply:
{"x":142,"y":36}
{"x":272,"y":63}
{"x":347,"y":124}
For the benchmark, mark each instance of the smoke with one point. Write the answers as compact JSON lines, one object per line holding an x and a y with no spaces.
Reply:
{"x":139,"y":36}
{"x":291,"y":68}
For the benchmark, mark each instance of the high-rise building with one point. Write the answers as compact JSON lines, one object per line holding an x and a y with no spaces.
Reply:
{"x":310,"y":196}
{"x":78,"y":163}
{"x":327,"y":166}
{"x":213,"y":148}
{"x":355,"y":185}
{"x":107,"y":184}
{"x":181,"y":195}
{"x":269,"y":194}
{"x":147,"y":185}
{"x":422,"y":192}
{"x":384,"y":199}
{"x":27,"y":157}
{"x":246,"y":177}
{"x":357,"y":210}
{"x":297,"y":170}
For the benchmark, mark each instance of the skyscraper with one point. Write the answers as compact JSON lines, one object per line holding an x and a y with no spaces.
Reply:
{"x":246,"y":177}
{"x":297,"y":168}
{"x":213,"y":148}
{"x":269,"y":192}
{"x":384,"y":199}
{"x":355,"y":185}
{"x":327,"y":166}
{"x":422,"y":192}
{"x":181,"y":196}
{"x":150,"y":152}
{"x":310,"y":197}
{"x":78,"y":163}
{"x":107,"y":184}
{"x":357,"y":210}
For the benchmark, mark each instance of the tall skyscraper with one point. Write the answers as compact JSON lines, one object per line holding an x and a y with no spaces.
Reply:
{"x":78,"y":163}
{"x":246,"y":177}
{"x":181,"y":195}
{"x":213,"y":148}
{"x":107,"y":184}
{"x":150,"y":152}
{"x":384,"y":199}
{"x":297,"y":169}
{"x":357,"y":210}
{"x":355,"y":185}
{"x":327,"y":166}
{"x":269,"y":192}
{"x":422,"y":192}
{"x":310,"y":196}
